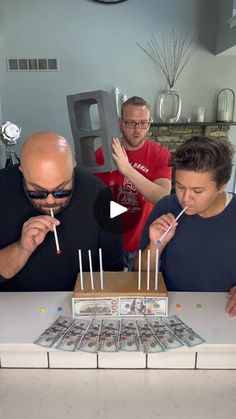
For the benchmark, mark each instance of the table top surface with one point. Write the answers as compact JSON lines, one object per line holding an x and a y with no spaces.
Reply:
{"x":105,"y":394}
{"x":24,"y":316}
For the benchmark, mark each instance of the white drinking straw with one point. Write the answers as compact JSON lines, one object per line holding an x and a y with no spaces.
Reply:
{"x":101,"y":268}
{"x":139,"y":269}
{"x":168,"y":229}
{"x":156,"y":269}
{"x":81,"y":271}
{"x":148,"y":269}
{"x":55,"y":234}
{"x":91,"y":269}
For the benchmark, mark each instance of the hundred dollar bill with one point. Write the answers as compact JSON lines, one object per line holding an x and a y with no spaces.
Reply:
{"x":189,"y":337}
{"x":51,"y":335}
{"x":80,"y":326}
{"x":110,"y":327}
{"x":143,"y":327}
{"x":150,"y":344}
{"x":69,"y":341}
{"x":154,"y":338}
{"x":183,"y":332}
{"x":94,"y":327}
{"x":88,"y":344}
{"x":172,"y":321}
{"x":108,"y":343}
{"x":157,"y":326}
{"x":128,"y":327}
{"x":96,"y":307}
{"x":129,"y":343}
{"x":132,"y":306}
{"x":168,"y":340}
{"x":156,"y":306}
{"x":63,"y":321}
{"x":142,"y":306}
{"x":48,"y":338}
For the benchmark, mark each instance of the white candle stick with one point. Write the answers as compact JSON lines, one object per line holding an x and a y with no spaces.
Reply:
{"x":156,"y":269}
{"x":168,"y":229}
{"x":91,"y":269}
{"x":148,"y":269}
{"x":55,"y":234}
{"x":139,"y":269}
{"x":101,"y":268}
{"x":81,"y":271}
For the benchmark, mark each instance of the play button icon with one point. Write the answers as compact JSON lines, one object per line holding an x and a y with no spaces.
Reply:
{"x":113,"y":217}
{"x":116,"y":209}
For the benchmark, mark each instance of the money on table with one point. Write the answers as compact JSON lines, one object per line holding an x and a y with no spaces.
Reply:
{"x":147,"y":334}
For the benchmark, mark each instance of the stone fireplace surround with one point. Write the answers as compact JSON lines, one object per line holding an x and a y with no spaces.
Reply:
{"x":172,"y":135}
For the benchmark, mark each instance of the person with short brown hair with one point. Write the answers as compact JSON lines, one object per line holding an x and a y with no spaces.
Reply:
{"x":142,"y":176}
{"x":198,"y":252}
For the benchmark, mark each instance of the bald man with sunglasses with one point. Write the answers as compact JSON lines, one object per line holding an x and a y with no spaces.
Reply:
{"x":47,"y":180}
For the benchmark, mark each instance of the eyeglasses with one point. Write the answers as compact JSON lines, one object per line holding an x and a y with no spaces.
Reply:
{"x":133,"y":124}
{"x":58,"y":194}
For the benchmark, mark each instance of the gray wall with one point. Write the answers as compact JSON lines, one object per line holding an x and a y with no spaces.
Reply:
{"x":96,"y":46}
{"x":226,"y":37}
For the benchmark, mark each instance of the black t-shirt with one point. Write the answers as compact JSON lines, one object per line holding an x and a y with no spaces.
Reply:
{"x":78,"y":229}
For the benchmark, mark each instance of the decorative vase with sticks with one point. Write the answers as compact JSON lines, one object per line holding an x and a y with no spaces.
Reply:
{"x":171,"y":56}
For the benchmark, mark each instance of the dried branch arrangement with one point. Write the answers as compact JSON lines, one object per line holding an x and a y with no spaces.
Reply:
{"x":172,"y":55}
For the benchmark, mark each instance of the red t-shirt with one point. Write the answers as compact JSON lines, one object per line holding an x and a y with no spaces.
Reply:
{"x":151,"y":160}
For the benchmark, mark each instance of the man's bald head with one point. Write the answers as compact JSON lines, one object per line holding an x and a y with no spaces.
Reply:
{"x":46,"y":158}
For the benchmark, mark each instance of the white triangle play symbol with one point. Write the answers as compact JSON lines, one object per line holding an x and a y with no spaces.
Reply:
{"x":116,"y":209}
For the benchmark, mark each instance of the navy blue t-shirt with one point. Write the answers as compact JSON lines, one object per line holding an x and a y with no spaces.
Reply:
{"x":202,"y":254}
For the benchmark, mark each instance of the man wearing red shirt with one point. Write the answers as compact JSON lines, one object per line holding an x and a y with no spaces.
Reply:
{"x":143,"y":176}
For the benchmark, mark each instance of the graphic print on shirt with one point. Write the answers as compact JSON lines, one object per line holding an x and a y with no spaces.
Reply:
{"x":129,"y":196}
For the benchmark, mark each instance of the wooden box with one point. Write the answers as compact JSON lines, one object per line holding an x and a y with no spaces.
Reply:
{"x":120,"y":296}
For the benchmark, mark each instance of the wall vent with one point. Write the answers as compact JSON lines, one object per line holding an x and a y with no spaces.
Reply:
{"x":32,"y":64}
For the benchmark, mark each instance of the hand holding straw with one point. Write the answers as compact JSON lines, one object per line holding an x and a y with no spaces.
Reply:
{"x":168,"y":229}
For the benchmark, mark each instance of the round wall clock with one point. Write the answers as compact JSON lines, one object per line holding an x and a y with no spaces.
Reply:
{"x":109,"y":1}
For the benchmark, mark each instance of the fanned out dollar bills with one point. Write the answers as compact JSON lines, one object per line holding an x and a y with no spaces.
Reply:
{"x":149,"y":335}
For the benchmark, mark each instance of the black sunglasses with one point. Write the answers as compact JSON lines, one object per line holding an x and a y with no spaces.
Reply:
{"x":58,"y":194}
{"x":43,"y":193}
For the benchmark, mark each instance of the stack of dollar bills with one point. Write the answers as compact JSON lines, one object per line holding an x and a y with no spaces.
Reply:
{"x":154,"y":334}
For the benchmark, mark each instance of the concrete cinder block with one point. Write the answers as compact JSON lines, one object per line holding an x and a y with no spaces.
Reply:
{"x":86,"y":138}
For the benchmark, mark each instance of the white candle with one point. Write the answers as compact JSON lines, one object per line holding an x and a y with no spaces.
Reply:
{"x":81,"y":271}
{"x":101,"y":268}
{"x":224,"y":116}
{"x":91,"y":269}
